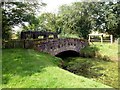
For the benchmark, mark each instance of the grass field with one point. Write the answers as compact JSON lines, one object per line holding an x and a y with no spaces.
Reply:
{"x":30,"y":69}
{"x":108,"y":49}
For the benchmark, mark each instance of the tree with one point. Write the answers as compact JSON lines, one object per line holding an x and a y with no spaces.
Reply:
{"x":83,"y":17}
{"x":15,"y":13}
{"x":76,"y":19}
{"x":49,"y":22}
{"x":105,"y":17}
{"x":113,"y":19}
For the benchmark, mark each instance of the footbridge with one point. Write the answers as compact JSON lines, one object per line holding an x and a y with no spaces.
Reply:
{"x":56,"y":46}
{"x":52,"y":46}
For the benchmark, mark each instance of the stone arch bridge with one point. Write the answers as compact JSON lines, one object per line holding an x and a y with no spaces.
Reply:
{"x":52,"y":46}
{"x":56,"y":46}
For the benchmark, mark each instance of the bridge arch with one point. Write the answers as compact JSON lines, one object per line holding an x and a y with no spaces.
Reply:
{"x":67,"y":53}
{"x":56,"y":46}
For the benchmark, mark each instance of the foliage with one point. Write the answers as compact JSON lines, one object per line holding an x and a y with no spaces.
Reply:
{"x":96,"y":63}
{"x":89,"y":52}
{"x":15,"y":13}
{"x":50,"y":22}
{"x":29,"y":69}
{"x":107,"y":18}
{"x":107,"y":50}
{"x":83,"y":17}
{"x":47,"y":21}
{"x":101,"y":51}
{"x":78,"y":18}
{"x":75,"y":19}
{"x":95,"y":69}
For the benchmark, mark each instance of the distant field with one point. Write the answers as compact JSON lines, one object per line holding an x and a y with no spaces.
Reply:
{"x":30,"y":69}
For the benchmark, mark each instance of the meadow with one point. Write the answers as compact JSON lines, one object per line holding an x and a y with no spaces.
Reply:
{"x":25,"y":68}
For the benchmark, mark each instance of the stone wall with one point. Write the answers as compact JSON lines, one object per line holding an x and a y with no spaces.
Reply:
{"x":52,"y":46}
{"x":56,"y":46}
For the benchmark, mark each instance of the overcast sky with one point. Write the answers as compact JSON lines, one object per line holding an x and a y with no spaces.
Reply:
{"x":52,"y":5}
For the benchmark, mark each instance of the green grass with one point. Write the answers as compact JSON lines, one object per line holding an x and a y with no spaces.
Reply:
{"x":107,"y":49}
{"x":100,"y":63}
{"x":69,"y":36}
{"x":98,"y":70}
{"x":30,"y":69}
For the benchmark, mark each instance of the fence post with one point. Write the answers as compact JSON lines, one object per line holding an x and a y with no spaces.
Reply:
{"x":101,"y":39}
{"x":89,"y":39}
{"x":111,"y":39}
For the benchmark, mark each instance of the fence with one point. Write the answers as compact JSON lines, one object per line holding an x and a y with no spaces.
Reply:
{"x":18,"y":44}
{"x":21,"y":43}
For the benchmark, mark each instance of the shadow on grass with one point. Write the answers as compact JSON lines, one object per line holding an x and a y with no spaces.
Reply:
{"x":23,"y":62}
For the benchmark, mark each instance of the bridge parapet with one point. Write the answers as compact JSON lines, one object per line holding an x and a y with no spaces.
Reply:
{"x":55,"y":46}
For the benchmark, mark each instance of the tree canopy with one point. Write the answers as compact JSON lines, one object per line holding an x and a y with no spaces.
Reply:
{"x":83,"y":17}
{"x":78,"y":18}
{"x":15,"y":13}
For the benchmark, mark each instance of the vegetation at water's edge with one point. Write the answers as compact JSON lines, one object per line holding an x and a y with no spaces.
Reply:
{"x":29,"y":69}
{"x":104,"y":51}
{"x":99,"y":63}
{"x":99,"y":70}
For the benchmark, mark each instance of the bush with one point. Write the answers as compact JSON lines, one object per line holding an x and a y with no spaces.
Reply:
{"x":93,"y":52}
{"x":83,"y":67}
{"x":106,"y":58}
{"x":78,"y":67}
{"x":89,"y":52}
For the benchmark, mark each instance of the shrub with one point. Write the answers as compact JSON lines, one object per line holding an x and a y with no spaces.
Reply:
{"x":89,"y":52}
{"x":106,"y":58}
{"x":93,"y":52}
{"x":82,"y":67}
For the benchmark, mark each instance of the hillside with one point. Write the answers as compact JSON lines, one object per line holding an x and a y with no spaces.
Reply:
{"x":30,"y":69}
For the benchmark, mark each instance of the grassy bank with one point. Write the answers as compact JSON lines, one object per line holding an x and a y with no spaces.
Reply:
{"x":31,"y":69}
{"x":100,"y":63}
{"x":98,"y":70}
{"x":107,"y":49}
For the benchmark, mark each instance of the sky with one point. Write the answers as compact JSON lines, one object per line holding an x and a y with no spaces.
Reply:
{"x":52,"y":5}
